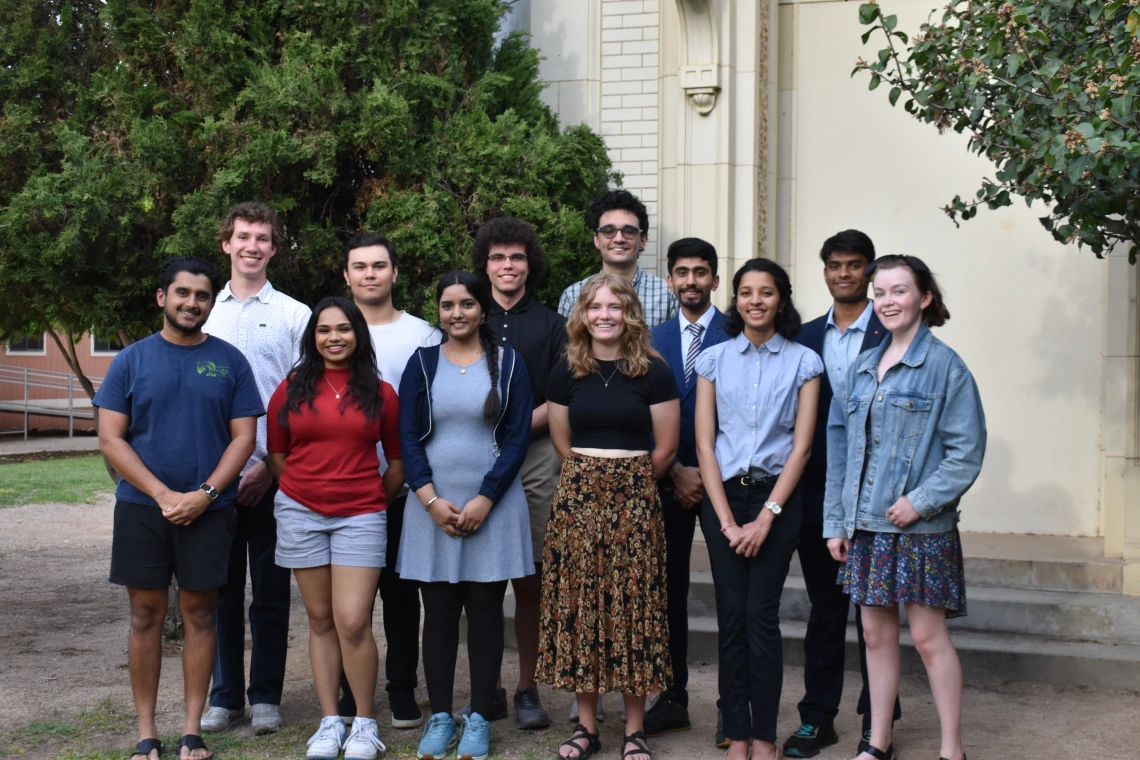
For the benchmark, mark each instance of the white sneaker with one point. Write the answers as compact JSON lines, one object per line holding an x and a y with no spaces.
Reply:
{"x":265,"y":719}
{"x":219,"y":719}
{"x":364,"y":741}
{"x":325,"y":744}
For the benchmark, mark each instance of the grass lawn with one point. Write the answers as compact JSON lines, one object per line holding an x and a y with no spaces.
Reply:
{"x":75,"y":480}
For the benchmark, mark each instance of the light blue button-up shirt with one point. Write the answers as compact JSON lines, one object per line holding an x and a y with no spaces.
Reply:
{"x":757,"y":397}
{"x":840,"y":349}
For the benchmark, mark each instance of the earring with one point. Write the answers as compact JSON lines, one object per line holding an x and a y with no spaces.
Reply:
{"x":482,"y":320}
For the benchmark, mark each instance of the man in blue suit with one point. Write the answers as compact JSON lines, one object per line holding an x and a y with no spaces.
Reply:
{"x":848,"y":328}
{"x":692,"y":278}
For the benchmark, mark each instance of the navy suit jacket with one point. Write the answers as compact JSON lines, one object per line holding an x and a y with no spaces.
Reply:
{"x":666,"y":339}
{"x":812,"y":481}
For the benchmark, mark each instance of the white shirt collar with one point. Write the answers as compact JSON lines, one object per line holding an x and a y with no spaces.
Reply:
{"x":704,"y":320}
{"x":859,"y":324}
{"x":264,"y":295}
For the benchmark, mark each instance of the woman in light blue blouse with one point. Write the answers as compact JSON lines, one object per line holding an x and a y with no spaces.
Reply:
{"x":755,"y":415}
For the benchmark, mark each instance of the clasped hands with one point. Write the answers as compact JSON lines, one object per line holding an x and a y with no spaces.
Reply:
{"x":182,"y":508}
{"x":748,"y":538}
{"x":459,"y":522}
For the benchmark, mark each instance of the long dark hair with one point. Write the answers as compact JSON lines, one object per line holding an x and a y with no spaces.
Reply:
{"x":788,"y":320}
{"x":493,"y":405}
{"x":363,"y":381}
{"x":934,"y":315}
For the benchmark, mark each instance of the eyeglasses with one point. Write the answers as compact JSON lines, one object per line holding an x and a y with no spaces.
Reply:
{"x":609,"y":231}
{"x":502,"y":258}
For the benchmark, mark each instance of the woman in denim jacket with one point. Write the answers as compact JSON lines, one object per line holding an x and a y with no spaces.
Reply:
{"x":903,"y":447}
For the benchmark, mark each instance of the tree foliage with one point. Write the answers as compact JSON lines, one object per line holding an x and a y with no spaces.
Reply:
{"x":1046,"y":90}
{"x":128,"y":128}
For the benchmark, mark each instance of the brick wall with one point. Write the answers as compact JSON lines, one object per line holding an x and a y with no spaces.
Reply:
{"x":630,"y":101}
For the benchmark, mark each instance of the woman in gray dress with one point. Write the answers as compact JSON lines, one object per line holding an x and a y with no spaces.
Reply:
{"x":465,"y":410}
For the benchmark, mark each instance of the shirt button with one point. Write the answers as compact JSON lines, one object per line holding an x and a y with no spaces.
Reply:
{"x":876,"y":441}
{"x":880,"y":398}
{"x":870,"y":481}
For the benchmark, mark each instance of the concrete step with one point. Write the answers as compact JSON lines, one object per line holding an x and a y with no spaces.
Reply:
{"x":985,"y":657}
{"x":1005,"y":560}
{"x":1073,"y":616}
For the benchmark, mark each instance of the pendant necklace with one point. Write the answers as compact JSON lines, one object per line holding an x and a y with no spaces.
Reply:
{"x":606,"y":380}
{"x":463,"y":369}
{"x":334,"y":390}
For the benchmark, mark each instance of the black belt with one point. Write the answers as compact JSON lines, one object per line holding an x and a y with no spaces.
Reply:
{"x":754,"y":481}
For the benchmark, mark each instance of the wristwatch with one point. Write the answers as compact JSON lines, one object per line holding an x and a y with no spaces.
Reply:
{"x":773,"y":507}
{"x":212,"y":493}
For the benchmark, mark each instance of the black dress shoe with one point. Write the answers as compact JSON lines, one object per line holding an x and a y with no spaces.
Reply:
{"x":667,"y":714}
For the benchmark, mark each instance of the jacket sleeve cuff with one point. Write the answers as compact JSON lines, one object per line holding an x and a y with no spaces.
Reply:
{"x":490,"y":493}
{"x":418,"y":482}
{"x":922,"y":505}
{"x":834,"y":530}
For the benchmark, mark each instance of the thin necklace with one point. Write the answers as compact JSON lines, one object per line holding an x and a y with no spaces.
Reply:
{"x":463,"y":368}
{"x":606,"y":380}
{"x":334,"y":390}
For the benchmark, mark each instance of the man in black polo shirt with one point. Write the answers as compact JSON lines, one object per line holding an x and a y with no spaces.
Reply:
{"x":508,"y":253}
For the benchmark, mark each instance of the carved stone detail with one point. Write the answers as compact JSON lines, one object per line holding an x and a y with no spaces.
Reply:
{"x":700,"y":54}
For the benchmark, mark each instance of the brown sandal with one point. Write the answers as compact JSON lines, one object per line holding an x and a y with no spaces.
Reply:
{"x":593,"y":746}
{"x":637,"y":739}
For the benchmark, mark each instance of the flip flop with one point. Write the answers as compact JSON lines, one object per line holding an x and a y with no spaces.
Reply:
{"x":193,"y":742}
{"x":146,"y":746}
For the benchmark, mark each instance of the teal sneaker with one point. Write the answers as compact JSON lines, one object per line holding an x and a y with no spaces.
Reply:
{"x":475,"y":743}
{"x":438,"y":738}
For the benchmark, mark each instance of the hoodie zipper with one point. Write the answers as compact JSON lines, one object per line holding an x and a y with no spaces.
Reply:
{"x":427,"y":390}
{"x":503,"y":413}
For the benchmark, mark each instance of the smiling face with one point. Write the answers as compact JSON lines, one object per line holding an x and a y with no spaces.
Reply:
{"x":187,"y":303}
{"x":459,"y":312}
{"x":758,"y":301}
{"x":250,"y":248}
{"x":898,"y":301}
{"x":621,"y":250}
{"x":507,"y":267}
{"x":693,"y":282}
{"x":370,"y":275}
{"x":605,"y":319}
{"x":335,"y":338}
{"x":845,"y":276}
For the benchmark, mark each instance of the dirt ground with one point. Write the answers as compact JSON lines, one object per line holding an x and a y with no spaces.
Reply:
{"x":65,"y":691}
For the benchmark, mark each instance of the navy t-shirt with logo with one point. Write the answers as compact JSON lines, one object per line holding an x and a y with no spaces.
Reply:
{"x":180,"y":400}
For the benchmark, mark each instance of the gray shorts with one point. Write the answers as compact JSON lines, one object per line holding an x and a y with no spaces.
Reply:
{"x":539,"y":474}
{"x":309,"y":539}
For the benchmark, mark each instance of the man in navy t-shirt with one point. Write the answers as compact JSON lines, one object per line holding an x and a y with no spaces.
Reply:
{"x":177,"y":420}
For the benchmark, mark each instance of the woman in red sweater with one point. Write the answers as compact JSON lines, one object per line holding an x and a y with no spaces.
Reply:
{"x":324,"y":422}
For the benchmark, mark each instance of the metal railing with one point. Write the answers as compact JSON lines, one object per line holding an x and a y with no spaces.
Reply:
{"x":60,"y":400}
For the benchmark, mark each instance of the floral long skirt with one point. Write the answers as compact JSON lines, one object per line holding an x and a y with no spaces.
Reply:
{"x":888,"y":568}
{"x":603,"y":625}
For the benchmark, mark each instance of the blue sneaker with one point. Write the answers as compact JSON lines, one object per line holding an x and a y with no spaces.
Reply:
{"x":438,"y":738}
{"x":476,"y":741}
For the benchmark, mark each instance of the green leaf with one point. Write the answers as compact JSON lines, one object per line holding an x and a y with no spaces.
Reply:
{"x":890,"y":22}
{"x":1133,"y":22}
{"x":866,"y":35}
{"x":1086,"y":129}
{"x":902,"y":36}
{"x":1122,"y":107}
{"x":868,"y":12}
{"x":894,"y":96}
{"x":996,"y":46}
{"x":875,"y":81}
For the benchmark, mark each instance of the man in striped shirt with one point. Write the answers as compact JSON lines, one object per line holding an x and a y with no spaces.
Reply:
{"x":621,"y":223}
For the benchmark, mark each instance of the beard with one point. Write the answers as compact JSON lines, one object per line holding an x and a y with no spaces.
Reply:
{"x":172,"y":320}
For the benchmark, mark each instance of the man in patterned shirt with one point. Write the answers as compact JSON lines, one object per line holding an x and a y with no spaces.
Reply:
{"x":621,"y":223}
{"x":266,"y":326}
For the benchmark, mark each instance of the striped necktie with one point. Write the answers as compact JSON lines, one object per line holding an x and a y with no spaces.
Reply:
{"x":694,"y":348}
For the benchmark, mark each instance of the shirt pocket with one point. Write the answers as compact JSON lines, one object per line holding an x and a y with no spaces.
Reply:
{"x":910,"y":416}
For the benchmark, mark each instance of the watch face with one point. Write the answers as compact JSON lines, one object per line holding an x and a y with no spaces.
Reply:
{"x":774,"y":507}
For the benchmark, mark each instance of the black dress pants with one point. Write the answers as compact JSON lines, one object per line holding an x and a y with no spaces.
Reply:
{"x":443,"y":603}
{"x":255,"y":538}
{"x":825,"y":643}
{"x":680,"y":524}
{"x":748,"y":594}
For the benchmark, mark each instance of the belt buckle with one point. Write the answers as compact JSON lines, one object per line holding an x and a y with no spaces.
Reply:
{"x":745,"y":481}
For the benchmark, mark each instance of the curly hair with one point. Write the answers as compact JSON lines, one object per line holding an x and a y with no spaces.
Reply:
{"x":252,"y":212}
{"x":508,"y":230}
{"x":634,"y":347}
{"x":788,"y":320}
{"x":619,"y":200}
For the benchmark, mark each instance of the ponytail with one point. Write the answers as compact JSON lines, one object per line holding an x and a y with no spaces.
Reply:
{"x":493,"y":406}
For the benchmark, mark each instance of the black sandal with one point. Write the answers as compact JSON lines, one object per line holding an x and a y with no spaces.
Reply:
{"x":637,"y":739}
{"x":593,"y":746}
{"x":193,"y":742}
{"x":146,"y":746}
{"x":878,"y":754}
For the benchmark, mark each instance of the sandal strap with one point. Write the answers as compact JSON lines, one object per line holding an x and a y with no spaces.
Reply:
{"x":637,"y":739}
{"x":879,"y":754}
{"x":146,"y":746}
{"x":580,"y":732}
{"x":192,"y":742}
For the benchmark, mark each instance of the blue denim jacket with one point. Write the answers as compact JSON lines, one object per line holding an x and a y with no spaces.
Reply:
{"x":928,"y":416}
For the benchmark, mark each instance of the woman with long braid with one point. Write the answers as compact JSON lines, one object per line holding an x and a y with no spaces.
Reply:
{"x":465,"y":410}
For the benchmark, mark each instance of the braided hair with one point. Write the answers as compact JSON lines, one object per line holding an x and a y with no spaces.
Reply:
{"x":493,"y":405}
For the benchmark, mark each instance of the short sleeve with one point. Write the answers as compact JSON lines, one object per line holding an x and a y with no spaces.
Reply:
{"x":662,"y":384}
{"x":277,"y":436}
{"x":810,"y":366}
{"x":247,"y":398}
{"x":389,"y":422}
{"x":706,"y":364}
{"x":112,"y":393}
{"x":558,"y":385}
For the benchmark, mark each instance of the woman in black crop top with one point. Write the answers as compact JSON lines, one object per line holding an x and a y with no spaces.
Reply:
{"x":615,"y":421}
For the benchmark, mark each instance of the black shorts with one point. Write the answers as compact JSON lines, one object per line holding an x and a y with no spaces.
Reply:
{"x":146,"y":548}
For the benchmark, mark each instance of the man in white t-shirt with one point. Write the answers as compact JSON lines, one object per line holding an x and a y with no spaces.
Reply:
{"x":370,"y":271}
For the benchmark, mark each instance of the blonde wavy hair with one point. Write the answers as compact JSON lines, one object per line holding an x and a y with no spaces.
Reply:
{"x":634,"y":349}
